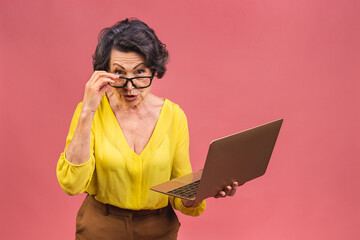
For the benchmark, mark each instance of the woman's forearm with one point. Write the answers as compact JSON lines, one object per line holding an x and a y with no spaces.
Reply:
{"x":78,"y":151}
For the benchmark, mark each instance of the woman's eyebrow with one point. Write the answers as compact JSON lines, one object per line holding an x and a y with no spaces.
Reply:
{"x":125,"y":69}
{"x":119,"y":66}
{"x":138,"y":65}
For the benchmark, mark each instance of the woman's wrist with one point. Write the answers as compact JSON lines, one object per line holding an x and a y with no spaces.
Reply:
{"x":86,"y":112}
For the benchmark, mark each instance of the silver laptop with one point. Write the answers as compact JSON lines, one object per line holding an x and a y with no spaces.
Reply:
{"x":240,"y":157}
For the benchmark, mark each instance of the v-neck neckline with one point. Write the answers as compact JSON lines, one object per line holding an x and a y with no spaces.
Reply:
{"x":155,"y":134}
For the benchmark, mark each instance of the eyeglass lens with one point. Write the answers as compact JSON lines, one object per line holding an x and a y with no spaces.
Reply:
{"x":136,"y":82}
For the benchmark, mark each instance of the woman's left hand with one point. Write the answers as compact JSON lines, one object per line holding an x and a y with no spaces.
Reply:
{"x":228,"y":191}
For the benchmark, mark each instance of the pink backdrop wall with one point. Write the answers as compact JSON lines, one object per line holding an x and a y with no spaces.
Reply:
{"x":234,"y":65}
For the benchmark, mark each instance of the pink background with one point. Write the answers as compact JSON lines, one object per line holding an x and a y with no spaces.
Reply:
{"x":234,"y":65}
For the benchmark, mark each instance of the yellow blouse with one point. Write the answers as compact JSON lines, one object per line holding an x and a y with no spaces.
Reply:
{"x":116,"y":175}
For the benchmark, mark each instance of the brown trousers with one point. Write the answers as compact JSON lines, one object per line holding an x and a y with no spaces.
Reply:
{"x":96,"y":220}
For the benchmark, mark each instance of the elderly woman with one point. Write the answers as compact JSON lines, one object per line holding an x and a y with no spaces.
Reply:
{"x":123,"y":140}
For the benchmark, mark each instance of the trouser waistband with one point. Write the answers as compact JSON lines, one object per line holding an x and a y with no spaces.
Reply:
{"x":110,"y":209}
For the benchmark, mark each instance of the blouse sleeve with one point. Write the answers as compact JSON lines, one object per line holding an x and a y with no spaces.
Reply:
{"x":74,"y":179}
{"x":182,"y":166}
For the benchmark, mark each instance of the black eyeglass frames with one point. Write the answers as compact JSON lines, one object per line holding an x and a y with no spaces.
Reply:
{"x":137,"y":82}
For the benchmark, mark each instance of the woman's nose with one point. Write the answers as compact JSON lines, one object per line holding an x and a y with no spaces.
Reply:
{"x":129,"y":85}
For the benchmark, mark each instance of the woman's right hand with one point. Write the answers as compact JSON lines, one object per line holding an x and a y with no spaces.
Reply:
{"x":95,"y":88}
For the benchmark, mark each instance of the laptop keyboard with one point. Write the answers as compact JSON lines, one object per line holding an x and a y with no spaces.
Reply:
{"x":187,"y":191}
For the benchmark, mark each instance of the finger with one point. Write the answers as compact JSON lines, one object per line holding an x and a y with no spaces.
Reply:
{"x":101,"y":74}
{"x":95,"y":75}
{"x":105,"y":88}
{"x":101,"y":83}
{"x":220,"y":194}
{"x":188,"y":203}
{"x":234,"y":187}
{"x":111,"y":75}
{"x":227,"y":190}
{"x":109,"y":89}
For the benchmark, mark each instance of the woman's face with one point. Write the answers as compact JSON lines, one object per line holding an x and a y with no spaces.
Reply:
{"x":129,"y":65}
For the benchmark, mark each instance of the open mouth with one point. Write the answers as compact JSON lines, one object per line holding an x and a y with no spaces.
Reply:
{"x":130,"y":97}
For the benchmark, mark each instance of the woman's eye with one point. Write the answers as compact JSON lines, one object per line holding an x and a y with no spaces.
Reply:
{"x":118,"y":72}
{"x":140,"y":71}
